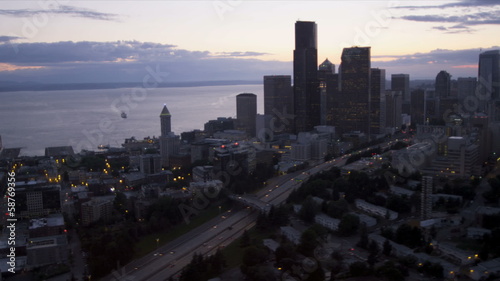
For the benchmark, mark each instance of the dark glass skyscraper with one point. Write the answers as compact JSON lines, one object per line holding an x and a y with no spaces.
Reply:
{"x":489,"y":93}
{"x":278,"y":101}
{"x":352,"y":108}
{"x":328,"y":88}
{"x":401,"y":82}
{"x":376,"y":92}
{"x":489,"y":74}
{"x":246,"y":112}
{"x":305,"y":80}
{"x":443,"y":84}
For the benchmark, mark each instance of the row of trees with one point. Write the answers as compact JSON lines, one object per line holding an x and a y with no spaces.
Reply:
{"x":203,"y":268}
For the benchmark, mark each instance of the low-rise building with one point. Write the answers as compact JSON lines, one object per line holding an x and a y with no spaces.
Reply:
{"x":477,"y":232}
{"x":96,"y":209}
{"x":47,"y":250}
{"x":327,"y":221}
{"x":291,"y":234}
{"x":375,"y":210}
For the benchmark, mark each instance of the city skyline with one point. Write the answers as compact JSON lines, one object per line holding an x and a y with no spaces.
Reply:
{"x":77,"y":42}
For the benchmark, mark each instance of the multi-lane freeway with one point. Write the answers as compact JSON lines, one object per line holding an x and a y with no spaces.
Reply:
{"x":169,"y":259}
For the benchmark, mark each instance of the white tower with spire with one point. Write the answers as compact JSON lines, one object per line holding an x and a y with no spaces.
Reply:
{"x":169,"y":142}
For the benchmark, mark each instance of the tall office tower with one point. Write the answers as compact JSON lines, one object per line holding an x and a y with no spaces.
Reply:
{"x":166,"y":121}
{"x":443,"y":84}
{"x":393,"y":106}
{"x":278,"y":102}
{"x":246,"y":112}
{"x":169,"y":142}
{"x":352,"y":106}
{"x":426,"y":198}
{"x":328,"y":88}
{"x":401,"y":82}
{"x":417,"y":107}
{"x":305,"y":80}
{"x":489,"y":92}
{"x":489,"y":75}
{"x":466,"y":87}
{"x":377,"y":90}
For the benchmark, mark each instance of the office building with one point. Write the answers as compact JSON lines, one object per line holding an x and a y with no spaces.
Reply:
{"x":220,"y":124}
{"x":169,"y":142}
{"x":352,"y":106}
{"x":305,"y":80}
{"x":376,"y":95}
{"x":96,"y":209}
{"x":489,"y":93}
{"x":246,"y":113}
{"x":328,"y":88}
{"x":443,"y":84}
{"x":426,"y":197}
{"x":33,"y":200}
{"x":417,"y":110}
{"x":150,"y":163}
{"x":466,"y":87}
{"x":401,"y":82}
{"x":393,"y":101}
{"x":278,"y":102}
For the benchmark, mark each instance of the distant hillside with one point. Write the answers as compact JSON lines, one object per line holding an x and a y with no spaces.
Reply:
{"x":30,"y":86}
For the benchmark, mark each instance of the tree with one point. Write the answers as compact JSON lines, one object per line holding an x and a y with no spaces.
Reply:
{"x":373,"y":249}
{"x":253,"y":256}
{"x":359,"y":269}
{"x":348,"y":225}
{"x":387,"y":248}
{"x":308,"y":242}
{"x":363,"y":239}
{"x":337,"y":209}
{"x":245,"y":240}
{"x":317,"y":275}
{"x":308,"y":210}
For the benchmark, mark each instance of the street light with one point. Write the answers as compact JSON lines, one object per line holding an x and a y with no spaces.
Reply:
{"x":220,"y":209}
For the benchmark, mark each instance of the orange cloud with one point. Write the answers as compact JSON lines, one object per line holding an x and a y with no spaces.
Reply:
{"x":12,"y":67}
{"x":465,"y":66}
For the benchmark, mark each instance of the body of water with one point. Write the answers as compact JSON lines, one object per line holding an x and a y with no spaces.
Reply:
{"x":84,"y":119}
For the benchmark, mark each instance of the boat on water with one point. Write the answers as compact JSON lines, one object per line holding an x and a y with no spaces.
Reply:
{"x":103,"y":146}
{"x":124,"y":115}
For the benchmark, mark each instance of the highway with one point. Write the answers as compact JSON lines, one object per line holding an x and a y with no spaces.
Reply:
{"x":169,"y":259}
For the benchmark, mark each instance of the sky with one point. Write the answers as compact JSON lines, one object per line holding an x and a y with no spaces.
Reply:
{"x":63,"y":41}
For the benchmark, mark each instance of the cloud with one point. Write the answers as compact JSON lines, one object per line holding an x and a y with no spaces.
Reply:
{"x":460,"y":4}
{"x":85,"y":51}
{"x":459,"y":63}
{"x":240,"y":54}
{"x":7,"y":39}
{"x":127,"y":61}
{"x":62,"y":10}
{"x":460,"y":15}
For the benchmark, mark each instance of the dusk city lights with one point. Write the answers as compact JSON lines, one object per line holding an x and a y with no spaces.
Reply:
{"x":223,"y":140}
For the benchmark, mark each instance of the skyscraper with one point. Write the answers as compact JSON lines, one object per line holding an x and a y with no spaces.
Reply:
{"x":165,"y":120}
{"x":328,"y":88}
{"x":305,"y":80}
{"x":246,"y":112}
{"x":443,"y":84}
{"x":376,"y":94}
{"x":278,"y":102}
{"x":418,"y":107}
{"x":352,"y":105}
{"x":489,"y":75}
{"x":401,"y":82}
{"x":489,"y":92}
{"x":169,"y":142}
{"x":466,"y":87}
